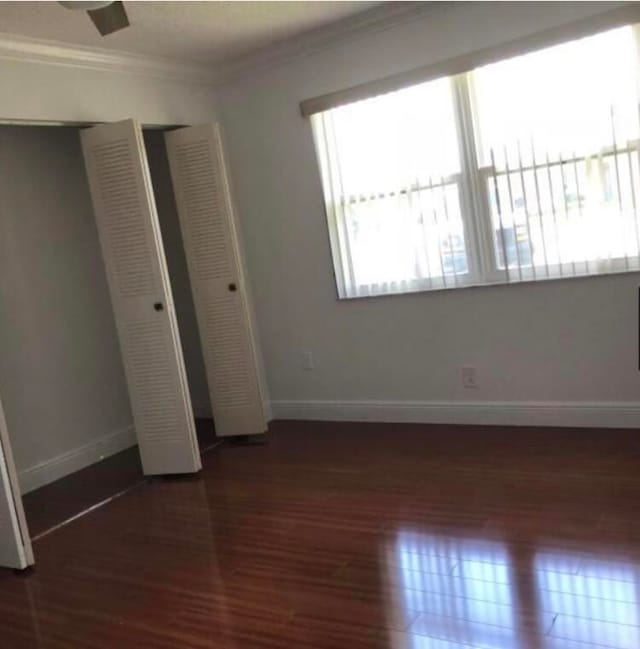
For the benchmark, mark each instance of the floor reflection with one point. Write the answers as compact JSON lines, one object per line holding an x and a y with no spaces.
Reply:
{"x":598,"y":604}
{"x":459,"y":588}
{"x":492,"y":595}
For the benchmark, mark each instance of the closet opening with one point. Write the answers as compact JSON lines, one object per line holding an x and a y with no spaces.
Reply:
{"x":62,"y":378}
{"x":174,"y":250}
{"x":62,"y":381}
{"x":125,"y":315}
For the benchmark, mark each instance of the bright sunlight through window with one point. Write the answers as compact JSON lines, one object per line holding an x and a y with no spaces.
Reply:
{"x":521,"y":170}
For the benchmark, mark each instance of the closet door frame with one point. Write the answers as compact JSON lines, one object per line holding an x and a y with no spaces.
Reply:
{"x":9,"y":485}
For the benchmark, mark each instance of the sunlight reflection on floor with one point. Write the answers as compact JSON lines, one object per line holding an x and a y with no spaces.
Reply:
{"x":465,"y":592}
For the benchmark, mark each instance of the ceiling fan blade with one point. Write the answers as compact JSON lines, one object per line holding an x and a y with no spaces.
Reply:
{"x":109,"y":19}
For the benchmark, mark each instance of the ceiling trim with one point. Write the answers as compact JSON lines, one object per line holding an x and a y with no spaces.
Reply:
{"x":35,"y":50}
{"x":381,"y":18}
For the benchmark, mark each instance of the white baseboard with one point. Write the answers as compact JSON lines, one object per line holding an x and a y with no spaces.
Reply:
{"x":613,"y":414}
{"x":76,"y":459}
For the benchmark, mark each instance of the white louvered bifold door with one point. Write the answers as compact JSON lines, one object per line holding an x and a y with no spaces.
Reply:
{"x":141,"y":296}
{"x":213,"y":256}
{"x":15,"y":544}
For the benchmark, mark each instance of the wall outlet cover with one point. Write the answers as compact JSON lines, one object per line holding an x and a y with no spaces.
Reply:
{"x":469,"y":376}
{"x":307,"y":360}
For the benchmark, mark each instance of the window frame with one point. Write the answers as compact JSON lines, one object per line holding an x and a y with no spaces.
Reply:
{"x":483,"y":268}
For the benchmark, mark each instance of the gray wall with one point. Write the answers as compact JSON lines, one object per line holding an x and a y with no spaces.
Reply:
{"x":63,"y":85}
{"x":61,"y":376}
{"x":567,"y":341}
{"x":178,"y":271}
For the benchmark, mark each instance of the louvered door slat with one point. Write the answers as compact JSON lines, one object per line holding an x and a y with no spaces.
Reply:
{"x":138,"y":280}
{"x":213,"y":258}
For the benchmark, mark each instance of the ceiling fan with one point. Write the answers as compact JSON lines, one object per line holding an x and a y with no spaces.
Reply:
{"x":107,"y":16}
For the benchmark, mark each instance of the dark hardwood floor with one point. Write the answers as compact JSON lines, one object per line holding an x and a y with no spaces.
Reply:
{"x":354,"y":536}
{"x":55,"y":503}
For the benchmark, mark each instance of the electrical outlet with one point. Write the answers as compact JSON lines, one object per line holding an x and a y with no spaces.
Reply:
{"x":307,"y":360}
{"x":469,"y":376}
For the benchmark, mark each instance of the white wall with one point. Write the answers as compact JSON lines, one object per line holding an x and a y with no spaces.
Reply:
{"x":556,"y":352}
{"x":61,"y":377}
{"x":178,"y":271}
{"x":41,"y":91}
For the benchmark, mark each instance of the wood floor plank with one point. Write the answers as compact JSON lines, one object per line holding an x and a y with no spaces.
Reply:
{"x":337,"y":535}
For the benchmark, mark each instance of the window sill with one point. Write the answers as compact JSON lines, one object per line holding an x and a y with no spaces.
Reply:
{"x":476,"y":284}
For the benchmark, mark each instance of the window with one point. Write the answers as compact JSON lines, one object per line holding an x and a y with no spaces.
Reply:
{"x":521,"y":170}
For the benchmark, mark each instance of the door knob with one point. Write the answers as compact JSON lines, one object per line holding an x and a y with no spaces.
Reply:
{"x":158,"y":306}
{"x":233,"y":287}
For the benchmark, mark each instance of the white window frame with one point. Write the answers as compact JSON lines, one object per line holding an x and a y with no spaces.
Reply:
{"x":476,"y":215}
{"x":475,"y":210}
{"x":474,"y":199}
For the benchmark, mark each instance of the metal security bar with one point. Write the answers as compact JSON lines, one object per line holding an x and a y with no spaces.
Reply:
{"x":417,"y":230}
{"x":565,"y":217}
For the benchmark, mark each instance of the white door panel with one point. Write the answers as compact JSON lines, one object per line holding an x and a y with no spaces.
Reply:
{"x":141,"y":297}
{"x":214,"y":259}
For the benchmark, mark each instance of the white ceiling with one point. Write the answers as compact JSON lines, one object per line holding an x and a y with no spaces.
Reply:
{"x":202,"y":32}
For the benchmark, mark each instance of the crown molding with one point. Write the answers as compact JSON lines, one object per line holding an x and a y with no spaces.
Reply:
{"x":34,"y":50}
{"x":41,"y":51}
{"x":378,"y":19}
